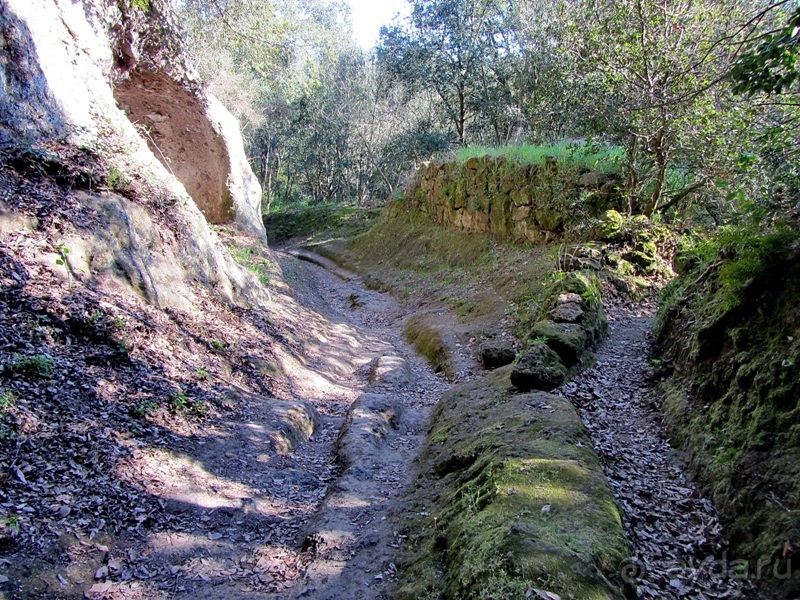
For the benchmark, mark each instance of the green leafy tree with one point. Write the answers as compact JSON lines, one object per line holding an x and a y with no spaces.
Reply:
{"x":549,"y":96}
{"x":456,"y":48}
{"x":767,"y":71}
{"x":353,"y":135}
{"x":652,"y":74}
{"x":770,"y":65}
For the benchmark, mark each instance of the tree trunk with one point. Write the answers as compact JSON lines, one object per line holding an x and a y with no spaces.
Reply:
{"x":631,"y":180}
{"x":266,"y":180}
{"x":462,"y":115}
{"x":660,"y":158}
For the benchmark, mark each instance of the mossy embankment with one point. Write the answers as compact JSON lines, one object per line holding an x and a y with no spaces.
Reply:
{"x":428,"y":339}
{"x":729,"y":331}
{"x":510,"y":502}
{"x":502,"y":224}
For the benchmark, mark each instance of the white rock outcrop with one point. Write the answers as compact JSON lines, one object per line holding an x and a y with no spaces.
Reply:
{"x":242,"y":183}
{"x":70,"y":59}
{"x":108,"y":81}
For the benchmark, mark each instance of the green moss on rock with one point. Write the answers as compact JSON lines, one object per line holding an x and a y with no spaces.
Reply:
{"x":539,"y":368}
{"x":648,"y":248}
{"x":548,"y":219}
{"x":511,"y":498}
{"x":567,"y":340}
{"x":585,"y":284}
{"x":427,"y":340}
{"x":732,"y":336}
{"x":612,"y":226}
{"x":643,"y":262}
{"x":467,"y":196}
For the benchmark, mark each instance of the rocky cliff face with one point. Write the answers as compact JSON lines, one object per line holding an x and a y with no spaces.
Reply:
{"x":122,"y":313}
{"x":100,"y":94}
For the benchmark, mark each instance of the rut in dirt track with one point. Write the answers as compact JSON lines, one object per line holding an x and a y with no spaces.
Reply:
{"x":353,"y":536}
{"x":678,"y":546}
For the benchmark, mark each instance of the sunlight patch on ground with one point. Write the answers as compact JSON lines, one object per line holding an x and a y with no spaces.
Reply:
{"x":170,"y":543}
{"x":349,"y":501}
{"x":309,"y":383}
{"x":182,"y":478}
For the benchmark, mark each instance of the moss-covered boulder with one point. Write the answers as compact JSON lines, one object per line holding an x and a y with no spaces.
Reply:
{"x":539,"y":368}
{"x":643,"y":254}
{"x":548,"y":219}
{"x":648,"y":247}
{"x":520,"y":196}
{"x":593,"y":179}
{"x":569,"y":309}
{"x":612,"y":226}
{"x":567,"y":340}
{"x":643,"y":261}
{"x":510,"y":499}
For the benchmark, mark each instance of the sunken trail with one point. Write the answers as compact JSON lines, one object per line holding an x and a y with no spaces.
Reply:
{"x":677,"y":542}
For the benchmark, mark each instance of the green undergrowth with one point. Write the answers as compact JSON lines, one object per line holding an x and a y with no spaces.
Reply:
{"x":254,"y":261}
{"x":511,"y":502}
{"x":474,"y":274}
{"x":602,"y":158}
{"x":729,"y":328}
{"x":39,"y":366}
{"x":8,"y":401}
{"x":318,"y":222}
{"x":741,"y":256}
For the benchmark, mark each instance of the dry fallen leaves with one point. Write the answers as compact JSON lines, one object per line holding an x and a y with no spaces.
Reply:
{"x":675,"y":533}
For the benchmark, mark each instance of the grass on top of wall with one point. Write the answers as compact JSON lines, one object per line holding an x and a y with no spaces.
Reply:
{"x":593,"y":156}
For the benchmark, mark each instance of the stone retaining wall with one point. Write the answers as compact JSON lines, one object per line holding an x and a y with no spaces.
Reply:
{"x":528,"y":203}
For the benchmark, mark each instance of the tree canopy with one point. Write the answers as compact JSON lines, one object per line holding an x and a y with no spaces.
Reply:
{"x":700,"y":95}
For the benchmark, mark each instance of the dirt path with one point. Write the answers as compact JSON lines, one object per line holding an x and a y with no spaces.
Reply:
{"x":678,"y":547}
{"x":353,"y":536}
{"x":316,"y":520}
